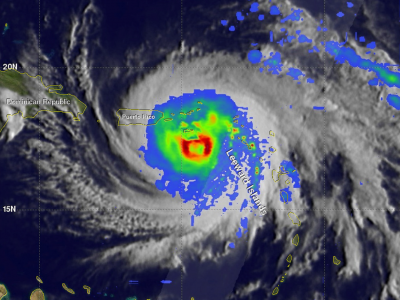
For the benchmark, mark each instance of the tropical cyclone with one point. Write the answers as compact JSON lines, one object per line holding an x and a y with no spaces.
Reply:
{"x":245,"y":180}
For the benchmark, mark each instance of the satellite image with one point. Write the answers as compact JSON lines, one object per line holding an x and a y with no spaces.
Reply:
{"x":200,"y":150}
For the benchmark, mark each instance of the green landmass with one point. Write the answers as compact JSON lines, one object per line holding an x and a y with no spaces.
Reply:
{"x":72,"y":98}
{"x":13,"y":81}
{"x":29,"y":87}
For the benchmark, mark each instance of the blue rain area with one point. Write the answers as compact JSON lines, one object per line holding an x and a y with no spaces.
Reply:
{"x":261,"y":17}
{"x":362,"y":39}
{"x":244,"y":205}
{"x":254,"y":7}
{"x":271,"y":36}
{"x":274,"y":10}
{"x":316,"y":49}
{"x":294,"y":16}
{"x":283,"y":29}
{"x":371,"y":45}
{"x":309,"y":80}
{"x":192,"y":221}
{"x":285,"y":195}
{"x":319,"y":28}
{"x":374,"y":82}
{"x":166,"y":281}
{"x":239,"y":233}
{"x":254,"y":44}
{"x":289,"y":39}
{"x":224,"y":209}
{"x":233,"y":195}
{"x":232,"y":245}
{"x":361,"y":183}
{"x":274,"y":63}
{"x":295,"y":73}
{"x":232,"y":28}
{"x":304,"y":39}
{"x":239,"y":16}
{"x":343,"y":54}
{"x":254,"y":56}
{"x":345,"y":41}
{"x":224,"y":22}
{"x":340,"y":14}
{"x":393,"y":101}
{"x":292,"y":173}
{"x":244,"y":222}
{"x":349,"y":4}
{"x":318,"y":107}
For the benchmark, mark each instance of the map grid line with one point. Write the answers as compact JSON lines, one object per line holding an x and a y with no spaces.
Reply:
{"x":40,"y":141}
{"x":180,"y":116}
{"x":324,"y":133}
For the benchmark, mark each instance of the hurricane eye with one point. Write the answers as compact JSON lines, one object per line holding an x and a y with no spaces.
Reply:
{"x":198,"y":149}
